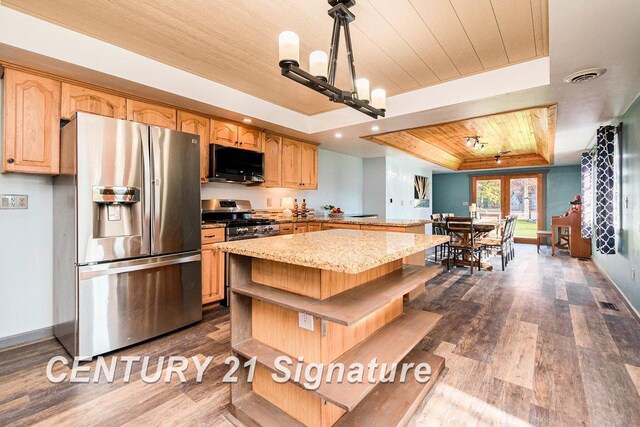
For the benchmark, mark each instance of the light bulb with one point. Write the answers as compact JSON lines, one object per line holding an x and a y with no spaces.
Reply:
{"x":475,"y":145}
{"x":362,"y":89}
{"x":318,"y":64}
{"x":379,"y":99}
{"x":289,"y":48}
{"x":482,"y":147}
{"x":468,"y":142}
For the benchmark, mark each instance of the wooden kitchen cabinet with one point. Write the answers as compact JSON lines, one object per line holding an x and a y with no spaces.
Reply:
{"x":31,"y":123}
{"x":313,"y":226}
{"x":299,"y":164}
{"x":291,"y":152}
{"x":250,"y":139}
{"x":286,"y":228}
{"x":272,"y":160}
{"x":212,"y":274}
{"x":232,"y":135}
{"x":199,"y":125}
{"x":151,"y":114}
{"x":224,"y":133}
{"x":78,"y":98}
{"x":213,"y":265}
{"x":299,"y":228}
{"x":341,"y":226}
{"x":309,"y":166}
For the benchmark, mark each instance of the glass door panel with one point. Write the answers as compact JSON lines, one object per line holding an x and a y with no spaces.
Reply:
{"x":488,"y":198}
{"x":523,"y":202}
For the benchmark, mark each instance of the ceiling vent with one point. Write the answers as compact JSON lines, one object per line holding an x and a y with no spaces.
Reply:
{"x":585,"y":75}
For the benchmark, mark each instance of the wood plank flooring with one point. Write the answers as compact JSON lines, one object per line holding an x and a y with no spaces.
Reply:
{"x":528,"y":346}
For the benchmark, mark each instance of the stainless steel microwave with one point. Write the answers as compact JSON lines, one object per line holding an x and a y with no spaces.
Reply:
{"x":235,"y":165}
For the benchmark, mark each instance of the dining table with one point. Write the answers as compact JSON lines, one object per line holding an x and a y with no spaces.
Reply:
{"x":462,"y":234}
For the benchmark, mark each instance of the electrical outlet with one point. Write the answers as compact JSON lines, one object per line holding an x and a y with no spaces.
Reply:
{"x":305,"y":321}
{"x":465,"y":203}
{"x":633,"y":274}
{"x":14,"y":201}
{"x":268,"y":202}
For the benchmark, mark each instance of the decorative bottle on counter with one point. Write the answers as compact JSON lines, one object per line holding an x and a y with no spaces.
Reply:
{"x":303,"y":212}
{"x":295,"y":208}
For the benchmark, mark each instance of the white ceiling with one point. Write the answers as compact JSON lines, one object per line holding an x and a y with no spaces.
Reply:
{"x":582,"y":34}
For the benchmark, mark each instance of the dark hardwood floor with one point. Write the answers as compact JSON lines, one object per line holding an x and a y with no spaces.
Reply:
{"x":530,"y":345}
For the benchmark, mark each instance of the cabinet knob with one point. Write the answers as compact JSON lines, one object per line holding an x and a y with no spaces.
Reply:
{"x":240,"y":143}
{"x":10,"y":160}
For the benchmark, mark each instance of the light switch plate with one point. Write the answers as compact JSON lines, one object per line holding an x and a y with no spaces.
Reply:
{"x":305,"y":321}
{"x":14,"y":201}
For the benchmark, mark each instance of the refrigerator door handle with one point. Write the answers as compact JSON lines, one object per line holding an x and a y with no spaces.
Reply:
{"x":146,"y":179}
{"x":91,"y":271}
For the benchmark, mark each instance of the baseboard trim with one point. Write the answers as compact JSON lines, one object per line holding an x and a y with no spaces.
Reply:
{"x":26,"y":337}
{"x":624,"y":297}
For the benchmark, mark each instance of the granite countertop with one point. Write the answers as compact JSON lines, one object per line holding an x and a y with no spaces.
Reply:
{"x":345,"y":251}
{"x":363,"y":221}
{"x":207,"y":226}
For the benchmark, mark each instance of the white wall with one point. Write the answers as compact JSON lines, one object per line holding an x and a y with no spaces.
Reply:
{"x":339,"y":183}
{"x":400,"y":197}
{"x":388,"y":187}
{"x":26,"y":285}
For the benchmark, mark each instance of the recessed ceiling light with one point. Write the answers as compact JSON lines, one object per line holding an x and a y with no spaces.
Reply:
{"x":585,"y":75}
{"x":338,"y":135}
{"x":247,"y":120}
{"x":375,"y":128}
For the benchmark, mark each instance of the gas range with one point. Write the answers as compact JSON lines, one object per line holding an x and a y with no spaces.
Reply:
{"x":237,"y":217}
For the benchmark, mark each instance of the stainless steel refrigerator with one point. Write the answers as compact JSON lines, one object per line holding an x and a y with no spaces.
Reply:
{"x":126,"y":209}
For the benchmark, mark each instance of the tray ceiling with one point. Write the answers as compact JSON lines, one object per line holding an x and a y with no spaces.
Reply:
{"x":400,"y":45}
{"x":528,"y":135}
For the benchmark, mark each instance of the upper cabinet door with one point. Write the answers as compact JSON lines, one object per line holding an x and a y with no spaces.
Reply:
{"x":309,"y":166}
{"x":31,"y":123}
{"x":151,"y":114}
{"x":199,"y":125}
{"x":224,"y":133}
{"x":272,"y":160}
{"x":250,"y":139}
{"x":77,"y":98}
{"x":291,"y":163}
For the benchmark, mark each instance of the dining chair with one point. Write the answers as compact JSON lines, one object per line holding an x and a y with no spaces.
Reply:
{"x":440,"y":229}
{"x":463,"y":241}
{"x":502,"y":243}
{"x":436,"y":217}
{"x":448,"y":215}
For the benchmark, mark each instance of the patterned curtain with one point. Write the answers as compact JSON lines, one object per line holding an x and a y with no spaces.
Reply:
{"x":605,"y":229}
{"x":586,"y":178}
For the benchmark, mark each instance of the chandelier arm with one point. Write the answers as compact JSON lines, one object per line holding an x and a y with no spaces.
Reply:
{"x":333,"y":52}
{"x":352,"y":67}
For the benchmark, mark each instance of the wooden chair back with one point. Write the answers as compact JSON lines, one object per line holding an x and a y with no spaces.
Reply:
{"x":436,"y":217}
{"x":457,"y":225}
{"x":439,"y":228}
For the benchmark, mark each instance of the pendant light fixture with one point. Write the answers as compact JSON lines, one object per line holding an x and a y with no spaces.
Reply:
{"x":322,"y":69}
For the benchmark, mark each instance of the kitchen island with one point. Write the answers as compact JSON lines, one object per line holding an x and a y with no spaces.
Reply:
{"x":328,"y":297}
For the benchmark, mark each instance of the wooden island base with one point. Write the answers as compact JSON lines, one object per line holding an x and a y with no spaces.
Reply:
{"x":355,"y":317}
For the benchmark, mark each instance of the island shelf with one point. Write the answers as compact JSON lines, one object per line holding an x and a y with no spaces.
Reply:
{"x":354,"y":295}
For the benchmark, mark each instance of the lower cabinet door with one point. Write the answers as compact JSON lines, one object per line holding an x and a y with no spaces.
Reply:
{"x":212,"y":274}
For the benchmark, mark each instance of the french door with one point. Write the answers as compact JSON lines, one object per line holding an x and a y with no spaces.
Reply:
{"x":497,"y":196}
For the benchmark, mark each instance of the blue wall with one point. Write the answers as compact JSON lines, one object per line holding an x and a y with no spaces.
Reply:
{"x":450,"y":190}
{"x":619,"y":266}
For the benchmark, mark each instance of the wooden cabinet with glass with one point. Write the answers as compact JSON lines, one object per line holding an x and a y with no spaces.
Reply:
{"x":78,"y":98}
{"x":198,"y":125}
{"x":31,"y":123}
{"x":151,"y":114}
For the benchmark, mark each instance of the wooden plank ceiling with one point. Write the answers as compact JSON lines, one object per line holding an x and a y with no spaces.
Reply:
{"x":528,"y":135}
{"x":400,"y":45}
